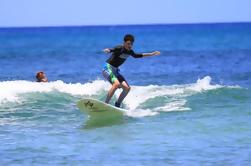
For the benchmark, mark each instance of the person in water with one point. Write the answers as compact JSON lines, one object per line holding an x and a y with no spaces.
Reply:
{"x":41,"y":77}
{"x":111,"y":68}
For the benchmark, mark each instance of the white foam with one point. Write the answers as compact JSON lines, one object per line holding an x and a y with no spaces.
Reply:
{"x":178,"y":105}
{"x":12,"y":90}
{"x":138,"y":113}
{"x":139,"y":95}
{"x":203,"y":85}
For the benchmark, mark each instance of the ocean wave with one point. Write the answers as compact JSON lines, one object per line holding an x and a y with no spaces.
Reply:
{"x":11,"y":90}
{"x":141,"y":101}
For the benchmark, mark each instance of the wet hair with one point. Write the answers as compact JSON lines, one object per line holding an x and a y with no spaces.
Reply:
{"x":39,"y":74}
{"x":129,"y":37}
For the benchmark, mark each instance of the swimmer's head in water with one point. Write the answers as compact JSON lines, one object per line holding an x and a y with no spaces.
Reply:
{"x":41,"y":77}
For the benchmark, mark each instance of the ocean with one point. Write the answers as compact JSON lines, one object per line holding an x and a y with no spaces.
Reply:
{"x":191,"y":105}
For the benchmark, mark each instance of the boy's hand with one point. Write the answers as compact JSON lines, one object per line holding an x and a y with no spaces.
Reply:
{"x":106,"y":50}
{"x":155,"y":53}
{"x":151,"y":54}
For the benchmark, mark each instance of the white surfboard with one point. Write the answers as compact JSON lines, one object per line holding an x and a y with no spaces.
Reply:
{"x":100,"y":112}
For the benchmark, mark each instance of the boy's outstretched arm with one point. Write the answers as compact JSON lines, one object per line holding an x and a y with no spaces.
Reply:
{"x":151,"y":54}
{"x":144,"y":54}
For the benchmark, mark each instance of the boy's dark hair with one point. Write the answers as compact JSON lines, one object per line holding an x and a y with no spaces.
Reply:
{"x":129,"y":37}
{"x":38,"y":74}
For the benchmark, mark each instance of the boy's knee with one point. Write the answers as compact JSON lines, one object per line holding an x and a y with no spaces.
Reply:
{"x":116,"y":84}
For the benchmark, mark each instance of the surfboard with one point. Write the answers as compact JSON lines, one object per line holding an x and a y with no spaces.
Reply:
{"x":100,"y":113}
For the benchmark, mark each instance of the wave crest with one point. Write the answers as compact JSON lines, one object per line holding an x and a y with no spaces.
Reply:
{"x":144,"y":100}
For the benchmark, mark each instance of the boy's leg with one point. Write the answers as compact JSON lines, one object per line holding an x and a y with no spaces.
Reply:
{"x":108,"y":73}
{"x":114,"y":87}
{"x":126,"y":89}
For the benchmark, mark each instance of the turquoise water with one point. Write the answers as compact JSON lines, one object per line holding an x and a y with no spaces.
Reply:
{"x":188,"y":106}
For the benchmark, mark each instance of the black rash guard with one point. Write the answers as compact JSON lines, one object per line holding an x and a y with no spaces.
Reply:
{"x":120,"y":54}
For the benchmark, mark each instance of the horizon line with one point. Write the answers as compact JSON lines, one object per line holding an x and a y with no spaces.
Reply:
{"x":123,"y":25}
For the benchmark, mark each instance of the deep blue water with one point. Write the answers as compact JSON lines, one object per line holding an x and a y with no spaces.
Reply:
{"x":188,"y":106}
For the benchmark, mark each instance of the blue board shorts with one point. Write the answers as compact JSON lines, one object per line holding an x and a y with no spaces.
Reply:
{"x":111,"y":73}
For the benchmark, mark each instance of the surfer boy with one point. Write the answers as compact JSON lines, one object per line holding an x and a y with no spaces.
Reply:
{"x":111,"y":69}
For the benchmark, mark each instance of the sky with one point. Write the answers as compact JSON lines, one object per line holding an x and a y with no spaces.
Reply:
{"x":21,"y":13}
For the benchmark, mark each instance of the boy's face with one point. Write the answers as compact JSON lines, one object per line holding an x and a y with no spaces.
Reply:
{"x":128,"y":45}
